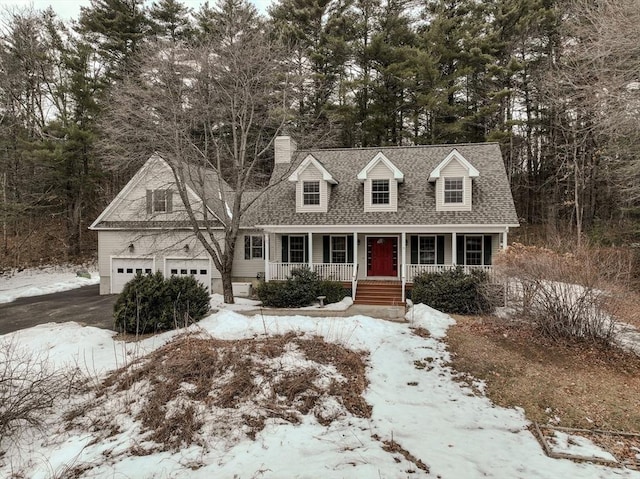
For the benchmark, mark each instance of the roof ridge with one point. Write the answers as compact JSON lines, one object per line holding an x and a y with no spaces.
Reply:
{"x":395,"y":147}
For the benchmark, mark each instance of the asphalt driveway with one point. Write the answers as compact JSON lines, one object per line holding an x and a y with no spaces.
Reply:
{"x":83,"y":305}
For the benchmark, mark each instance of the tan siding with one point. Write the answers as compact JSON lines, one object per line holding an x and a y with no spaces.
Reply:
{"x":159,"y":245}
{"x":454,"y":170}
{"x":317,"y":253}
{"x":133,"y":207}
{"x":276,"y":249}
{"x":381,"y":172}
{"x":311,"y":173}
{"x":495,"y":246}
{"x":246,"y":267}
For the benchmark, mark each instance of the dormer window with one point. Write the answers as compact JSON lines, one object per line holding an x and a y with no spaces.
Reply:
{"x":381,"y":178}
{"x":311,"y":192}
{"x":380,"y":192}
{"x":312,"y":186}
{"x":454,"y":182}
{"x":454,"y":190}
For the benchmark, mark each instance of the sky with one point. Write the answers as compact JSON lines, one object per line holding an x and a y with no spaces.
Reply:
{"x":69,"y":9}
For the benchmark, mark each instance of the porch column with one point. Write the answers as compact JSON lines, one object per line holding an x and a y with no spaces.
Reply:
{"x":266,"y":257}
{"x":355,"y":252}
{"x":504,"y":240}
{"x":310,"y":252}
{"x":454,"y":251}
{"x":403,"y":264}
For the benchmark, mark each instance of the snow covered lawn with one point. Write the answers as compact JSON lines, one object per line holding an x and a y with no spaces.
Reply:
{"x":419,"y":413}
{"x":421,"y":417}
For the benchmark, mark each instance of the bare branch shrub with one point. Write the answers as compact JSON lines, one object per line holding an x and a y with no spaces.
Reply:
{"x":28,"y":387}
{"x":568,"y":296}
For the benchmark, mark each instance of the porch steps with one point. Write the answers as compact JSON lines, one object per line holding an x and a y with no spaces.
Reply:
{"x":387,"y":293}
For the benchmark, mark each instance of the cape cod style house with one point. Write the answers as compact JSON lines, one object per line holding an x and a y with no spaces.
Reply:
{"x":372,"y":218}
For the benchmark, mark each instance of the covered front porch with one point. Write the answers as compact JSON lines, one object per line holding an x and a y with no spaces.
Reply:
{"x":379,"y":253}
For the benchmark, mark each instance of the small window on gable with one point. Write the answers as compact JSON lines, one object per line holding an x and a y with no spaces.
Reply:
{"x":311,"y":192}
{"x":159,"y":201}
{"x":453,"y":190}
{"x":379,"y":192}
{"x":253,"y":248}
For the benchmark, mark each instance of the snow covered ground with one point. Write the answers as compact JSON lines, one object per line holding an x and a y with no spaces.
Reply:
{"x":455,"y":432}
{"x":45,"y":280}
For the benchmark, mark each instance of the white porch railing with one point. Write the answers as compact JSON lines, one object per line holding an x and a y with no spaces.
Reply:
{"x":334,"y":271}
{"x":417,"y":269}
{"x":345,"y":271}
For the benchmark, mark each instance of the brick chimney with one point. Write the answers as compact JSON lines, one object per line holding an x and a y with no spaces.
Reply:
{"x":285,"y":147}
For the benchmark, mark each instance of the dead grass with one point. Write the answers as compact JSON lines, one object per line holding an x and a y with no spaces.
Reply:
{"x":243,"y":379}
{"x":572,"y":385}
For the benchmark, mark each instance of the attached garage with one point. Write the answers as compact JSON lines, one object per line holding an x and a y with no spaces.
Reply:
{"x":124,"y":269}
{"x":199,"y":268}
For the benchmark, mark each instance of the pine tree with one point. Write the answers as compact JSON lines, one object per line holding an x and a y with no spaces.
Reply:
{"x":170,"y":20}
{"x":116,"y":29}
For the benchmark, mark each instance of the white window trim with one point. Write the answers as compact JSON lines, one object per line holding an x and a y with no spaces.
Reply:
{"x":388,"y":192}
{"x":304,"y":252}
{"x":481,"y":250}
{"x":444,"y":190}
{"x":346,"y":249}
{"x":317,"y":194}
{"x":252,"y":247}
{"x":435,"y":248}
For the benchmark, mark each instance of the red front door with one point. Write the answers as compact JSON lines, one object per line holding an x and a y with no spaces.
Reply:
{"x":382,"y":256}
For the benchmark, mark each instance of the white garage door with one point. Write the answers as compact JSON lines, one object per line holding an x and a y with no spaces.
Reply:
{"x":199,"y":268}
{"x":124,"y":270}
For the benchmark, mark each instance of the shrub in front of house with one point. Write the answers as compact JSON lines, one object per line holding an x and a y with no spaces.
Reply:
{"x":453,"y":291}
{"x":272,"y":294}
{"x":300,"y":289}
{"x":333,"y":290}
{"x":150,"y":303}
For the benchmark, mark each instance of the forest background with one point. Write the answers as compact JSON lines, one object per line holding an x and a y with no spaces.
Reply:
{"x":555,"y":83}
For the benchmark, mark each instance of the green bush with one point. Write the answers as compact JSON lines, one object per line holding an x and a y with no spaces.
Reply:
{"x":150,"y":303}
{"x":302,"y":288}
{"x":333,"y":290}
{"x":272,"y":294}
{"x":453,"y":291}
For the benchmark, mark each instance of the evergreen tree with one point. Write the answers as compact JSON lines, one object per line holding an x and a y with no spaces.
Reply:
{"x":116,"y":29}
{"x":394,"y":64}
{"x":320,"y":32}
{"x":170,"y":20}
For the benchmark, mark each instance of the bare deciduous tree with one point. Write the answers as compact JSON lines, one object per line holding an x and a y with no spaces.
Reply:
{"x":212,"y":111}
{"x":595,"y":91}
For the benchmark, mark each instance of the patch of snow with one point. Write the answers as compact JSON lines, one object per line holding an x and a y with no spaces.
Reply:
{"x":45,"y":280}
{"x":431,"y":319}
{"x":241,"y":304}
{"x":576,"y":445}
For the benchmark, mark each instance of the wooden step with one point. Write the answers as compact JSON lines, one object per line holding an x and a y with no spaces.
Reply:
{"x":379,"y":293}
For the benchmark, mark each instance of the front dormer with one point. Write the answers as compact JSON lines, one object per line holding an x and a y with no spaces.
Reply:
{"x":312,"y":186}
{"x":453,"y":179}
{"x":380,"y":178}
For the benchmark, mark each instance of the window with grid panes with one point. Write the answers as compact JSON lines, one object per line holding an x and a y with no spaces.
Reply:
{"x":311,"y":192}
{"x":453,"y":190}
{"x":380,"y":192}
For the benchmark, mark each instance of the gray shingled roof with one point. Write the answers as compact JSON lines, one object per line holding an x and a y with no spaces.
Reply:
{"x":492,"y":199}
